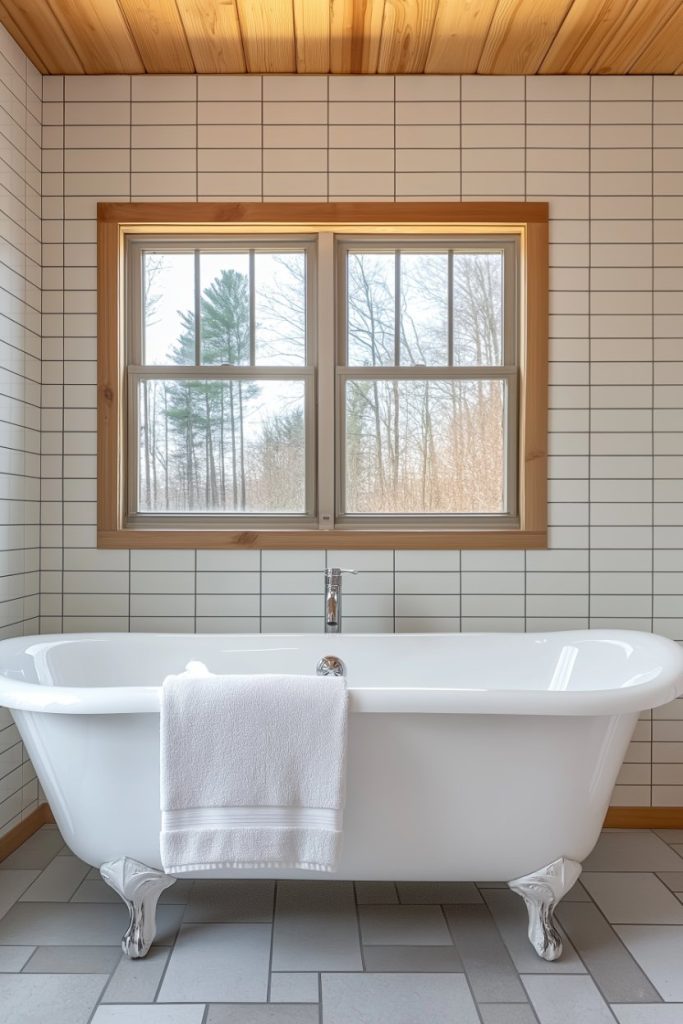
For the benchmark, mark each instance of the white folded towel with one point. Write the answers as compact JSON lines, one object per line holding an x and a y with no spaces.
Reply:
{"x":252,"y":771}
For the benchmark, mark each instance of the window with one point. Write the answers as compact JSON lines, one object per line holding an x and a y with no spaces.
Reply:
{"x":322,"y":375}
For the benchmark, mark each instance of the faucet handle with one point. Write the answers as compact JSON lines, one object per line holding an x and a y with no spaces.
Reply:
{"x":335,"y":571}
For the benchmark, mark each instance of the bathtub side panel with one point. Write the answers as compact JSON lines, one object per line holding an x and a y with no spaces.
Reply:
{"x":466,"y":797}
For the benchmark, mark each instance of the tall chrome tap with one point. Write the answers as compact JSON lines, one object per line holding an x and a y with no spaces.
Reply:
{"x":333,"y":595}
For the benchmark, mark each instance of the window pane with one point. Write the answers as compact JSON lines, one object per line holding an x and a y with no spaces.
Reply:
{"x":417,"y":446}
{"x":424,"y":308}
{"x":371,"y":309}
{"x":221,"y":446}
{"x":168,"y":308}
{"x":224,"y":307}
{"x":477,"y":309}
{"x":280,"y":301}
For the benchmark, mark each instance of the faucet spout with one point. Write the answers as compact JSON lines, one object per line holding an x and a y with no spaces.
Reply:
{"x":333,"y":598}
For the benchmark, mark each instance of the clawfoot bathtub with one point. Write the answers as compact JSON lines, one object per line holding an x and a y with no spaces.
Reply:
{"x":471,"y":757}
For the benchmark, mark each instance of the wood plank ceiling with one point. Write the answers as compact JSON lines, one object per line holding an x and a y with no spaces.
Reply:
{"x":491,"y":37}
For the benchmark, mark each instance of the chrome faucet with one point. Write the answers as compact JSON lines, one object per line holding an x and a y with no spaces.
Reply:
{"x":333,"y":599}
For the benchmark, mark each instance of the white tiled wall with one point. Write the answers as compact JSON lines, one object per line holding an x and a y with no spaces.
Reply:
{"x":608,"y":155}
{"x":20,"y":112}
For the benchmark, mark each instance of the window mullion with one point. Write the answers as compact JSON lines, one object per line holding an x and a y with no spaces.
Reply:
{"x":252,"y":308}
{"x":197,"y":309}
{"x":397,"y":308}
{"x":450,"y":308}
{"x":328,"y":421}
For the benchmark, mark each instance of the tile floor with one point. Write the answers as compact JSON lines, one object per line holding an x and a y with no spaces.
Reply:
{"x":251,"y":952}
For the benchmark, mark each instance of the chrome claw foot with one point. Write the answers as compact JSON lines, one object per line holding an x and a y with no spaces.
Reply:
{"x":140,"y":887}
{"x":542,"y":890}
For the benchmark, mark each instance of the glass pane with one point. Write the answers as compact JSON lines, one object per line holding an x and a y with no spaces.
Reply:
{"x":224,"y":307}
{"x":418,"y":446}
{"x":478,"y":309}
{"x":168,"y":308}
{"x":371,"y":309}
{"x":221,"y":446}
{"x":424,"y":309}
{"x":280,"y":300}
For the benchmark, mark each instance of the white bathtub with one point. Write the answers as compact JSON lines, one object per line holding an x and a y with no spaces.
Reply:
{"x":471,"y":757}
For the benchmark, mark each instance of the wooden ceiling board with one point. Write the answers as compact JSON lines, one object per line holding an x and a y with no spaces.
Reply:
{"x":41,"y":37}
{"x":664,"y":55}
{"x":407,"y":28}
{"x":355,"y":34}
{"x":212,"y":29}
{"x":520,"y":35}
{"x":312,"y":37}
{"x":268,"y":35}
{"x":460,"y":31}
{"x":583,"y":34}
{"x":159,"y":35}
{"x":98,"y":33}
{"x":633,"y":35}
{"x":493,"y":37}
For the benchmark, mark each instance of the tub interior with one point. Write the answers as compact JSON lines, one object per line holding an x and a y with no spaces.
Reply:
{"x":560,"y":661}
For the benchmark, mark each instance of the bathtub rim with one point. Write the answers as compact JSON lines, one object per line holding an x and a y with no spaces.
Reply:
{"x":35,"y":697}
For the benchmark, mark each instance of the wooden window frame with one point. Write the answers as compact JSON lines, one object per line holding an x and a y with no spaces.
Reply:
{"x":529,"y":221}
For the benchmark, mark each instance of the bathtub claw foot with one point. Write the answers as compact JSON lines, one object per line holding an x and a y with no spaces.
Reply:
{"x":542,"y":890}
{"x":140,"y":887}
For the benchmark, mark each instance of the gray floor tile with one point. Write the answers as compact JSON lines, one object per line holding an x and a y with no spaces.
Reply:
{"x":94,"y":890}
{"x":375,"y":892}
{"x":403,"y":926}
{"x":659,"y":951}
{"x":315,"y":927}
{"x":248,"y":901}
{"x":613,"y":968}
{"x":507,"y":1013}
{"x":12,"y":884}
{"x":397,"y":999}
{"x":679,"y":849}
{"x":179,"y":892}
{"x":57,"y":998}
{"x":149,"y":1015}
{"x":283,"y":1014}
{"x":632,"y":851}
{"x":633,"y":897}
{"x":511,"y":918}
{"x":412,"y":959}
{"x":294,"y":987}
{"x":13,"y":958}
{"x":577,"y":894}
{"x":59,"y":881}
{"x":655,"y":1013}
{"x":218,"y":963}
{"x":73,"y":960}
{"x":566,"y":1000}
{"x":672,"y":880}
{"x":486,"y":960}
{"x":37,"y":852}
{"x":137,"y":981}
{"x":78,"y":924}
{"x":438,"y":892}
{"x":670,"y":835}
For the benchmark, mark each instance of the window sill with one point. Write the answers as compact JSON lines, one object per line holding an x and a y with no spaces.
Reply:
{"x":315,"y":539}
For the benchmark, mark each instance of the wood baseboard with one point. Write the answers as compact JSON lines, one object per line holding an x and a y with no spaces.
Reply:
{"x":13,"y":839}
{"x":644,"y":817}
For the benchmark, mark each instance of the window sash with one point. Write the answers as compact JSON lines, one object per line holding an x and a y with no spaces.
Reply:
{"x":234,"y":520}
{"x":138,"y":245}
{"x":508,"y":518}
{"x":465,"y":244}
